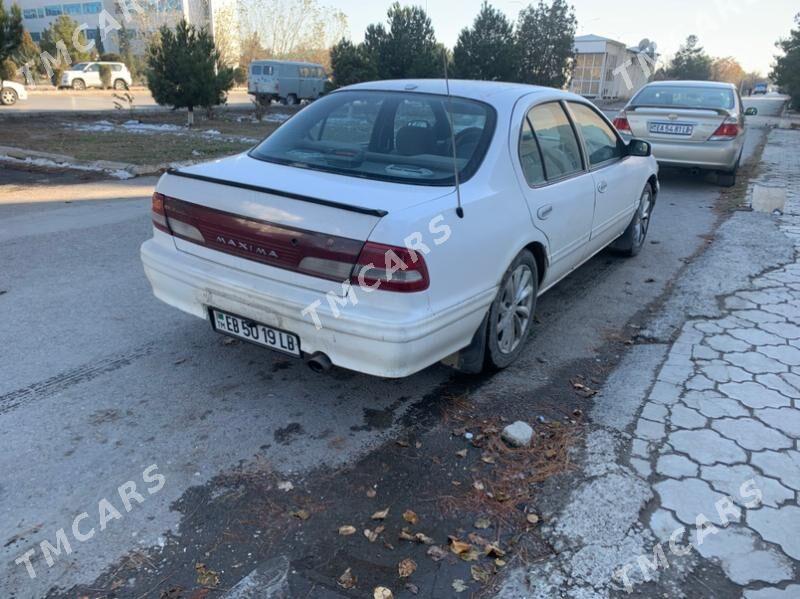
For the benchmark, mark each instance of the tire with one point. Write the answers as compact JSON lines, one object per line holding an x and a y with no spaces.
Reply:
{"x":291,"y":100}
{"x":631,"y":242}
{"x":511,"y":312}
{"x":727,"y":178}
{"x":78,"y":85}
{"x":119,"y":84}
{"x":8,"y":96}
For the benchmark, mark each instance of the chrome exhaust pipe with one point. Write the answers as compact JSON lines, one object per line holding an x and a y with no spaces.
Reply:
{"x":319,"y":362}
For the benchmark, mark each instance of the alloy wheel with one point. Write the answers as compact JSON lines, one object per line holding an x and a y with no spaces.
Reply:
{"x":8,"y":97}
{"x":516,"y":305}
{"x":643,"y":217}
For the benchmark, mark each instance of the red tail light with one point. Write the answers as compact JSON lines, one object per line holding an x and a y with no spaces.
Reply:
{"x":621,"y":123}
{"x":729,"y":129}
{"x":159,"y":216}
{"x":390,"y":268}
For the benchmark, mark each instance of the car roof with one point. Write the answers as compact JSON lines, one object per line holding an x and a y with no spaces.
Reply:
{"x":290,"y":62}
{"x":693,"y":83}
{"x":495,"y":93}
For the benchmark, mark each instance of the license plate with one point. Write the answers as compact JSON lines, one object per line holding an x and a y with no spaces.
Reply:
{"x":671,"y":128}
{"x":255,"y":332}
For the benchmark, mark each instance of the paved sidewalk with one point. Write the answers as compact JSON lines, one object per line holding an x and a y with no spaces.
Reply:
{"x":690,"y":485}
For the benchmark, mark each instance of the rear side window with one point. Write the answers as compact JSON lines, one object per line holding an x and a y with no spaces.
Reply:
{"x":529,"y":156}
{"x":557,"y":141}
{"x":255,"y":69}
{"x":602,"y":144}
{"x":685,"y":96}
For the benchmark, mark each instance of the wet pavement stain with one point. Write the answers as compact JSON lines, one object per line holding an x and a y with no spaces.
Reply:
{"x":287,"y":434}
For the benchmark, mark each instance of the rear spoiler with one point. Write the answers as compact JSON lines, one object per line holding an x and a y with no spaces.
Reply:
{"x":719,"y":111}
{"x":285,"y":194}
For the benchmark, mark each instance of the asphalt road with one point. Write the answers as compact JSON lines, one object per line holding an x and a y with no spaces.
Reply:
{"x":98,"y":380}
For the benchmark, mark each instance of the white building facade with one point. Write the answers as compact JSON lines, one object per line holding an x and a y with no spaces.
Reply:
{"x":608,"y":69}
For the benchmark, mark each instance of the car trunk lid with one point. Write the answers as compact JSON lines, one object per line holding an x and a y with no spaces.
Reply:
{"x":675,"y":124}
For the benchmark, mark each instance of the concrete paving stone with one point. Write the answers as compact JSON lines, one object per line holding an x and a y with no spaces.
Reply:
{"x":756,"y":336}
{"x":681,"y":348}
{"x":683,"y":417}
{"x":665,"y":393}
{"x":676,"y":466}
{"x":713,"y":404}
{"x":738,"y":552}
{"x":793,"y":379}
{"x":738,"y":303}
{"x":727,"y":343}
{"x":751,"y":434}
{"x":722,"y":372}
{"x":706,"y":447}
{"x":790,"y":592}
{"x":655,"y":411}
{"x":703,"y":352}
{"x":786,"y":420}
{"x":765,"y":297}
{"x":734,"y":322}
{"x":664,"y":525}
{"x":708,"y":326}
{"x":783,"y":466}
{"x":759,"y":316}
{"x":778,"y":383}
{"x":755,"y":363}
{"x":790,"y":312}
{"x":755,"y":395}
{"x":781,"y":526}
{"x":783,"y":353}
{"x":689,"y":335}
{"x":700,"y":382}
{"x":642,"y":467}
{"x":640,"y":448}
{"x":691,"y":498}
{"x":729,"y":480}
{"x":675,"y":373}
{"x":651,"y":431}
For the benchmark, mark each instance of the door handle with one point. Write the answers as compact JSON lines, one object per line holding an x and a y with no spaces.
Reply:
{"x":544,"y":211}
{"x":602,"y":186}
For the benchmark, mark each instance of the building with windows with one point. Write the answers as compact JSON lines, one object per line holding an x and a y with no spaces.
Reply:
{"x":37,"y":15}
{"x":608,"y":69}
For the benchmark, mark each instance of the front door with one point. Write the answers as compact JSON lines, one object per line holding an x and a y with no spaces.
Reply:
{"x":557,"y":188}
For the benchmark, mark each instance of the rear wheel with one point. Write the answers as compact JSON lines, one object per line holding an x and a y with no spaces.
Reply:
{"x":632,"y":240}
{"x":727,"y":178}
{"x":511,"y":312}
{"x":291,"y":100}
{"x":79,"y":85}
{"x":8,"y":96}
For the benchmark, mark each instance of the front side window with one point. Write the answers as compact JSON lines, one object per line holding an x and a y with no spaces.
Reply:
{"x":255,"y":69}
{"x":559,"y":146}
{"x":391,"y":136}
{"x":602,"y":144}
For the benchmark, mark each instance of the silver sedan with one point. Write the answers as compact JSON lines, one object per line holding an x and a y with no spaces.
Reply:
{"x":694,"y":124}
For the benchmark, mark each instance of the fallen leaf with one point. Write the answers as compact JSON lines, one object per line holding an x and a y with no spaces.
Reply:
{"x":410,"y":517}
{"x":347,"y":530}
{"x":499,"y":562}
{"x":436,"y":553}
{"x":300,"y":514}
{"x":422,"y":538}
{"x":402,"y":443}
{"x":405,"y":535}
{"x":532,"y":519}
{"x":285,"y":486}
{"x":373,"y":535}
{"x":459,"y":586}
{"x":406,"y":568}
{"x":487,"y":459}
{"x":347,"y":580}
{"x":458,"y":547}
{"x":456,"y":483}
{"x":462,"y":453}
{"x":418,"y":444}
{"x":477,"y":539}
{"x":371,"y":493}
{"x":482,"y":523}
{"x":206,"y":577}
{"x":382,"y":593}
{"x":412,"y":588}
{"x":470,"y":556}
{"x":479,"y":574}
{"x":381,"y":515}
{"x":493,"y":550}
{"x":478,"y":485}
{"x":550,"y":453}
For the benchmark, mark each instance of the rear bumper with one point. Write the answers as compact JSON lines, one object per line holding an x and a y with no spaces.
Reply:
{"x":364,"y":340}
{"x":716,"y":155}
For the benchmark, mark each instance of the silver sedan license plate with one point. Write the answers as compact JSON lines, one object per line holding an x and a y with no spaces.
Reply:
{"x":671,"y":128}
{"x":255,"y":332}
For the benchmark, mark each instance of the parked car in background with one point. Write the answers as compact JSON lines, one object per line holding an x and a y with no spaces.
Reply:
{"x":694,"y":124}
{"x":285,"y":81}
{"x":358,"y":195}
{"x":760,"y":89}
{"x":87,"y":74}
{"x":10,"y":92}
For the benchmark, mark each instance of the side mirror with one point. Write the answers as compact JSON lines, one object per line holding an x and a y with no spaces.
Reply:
{"x":752,"y":111}
{"x":639,"y":147}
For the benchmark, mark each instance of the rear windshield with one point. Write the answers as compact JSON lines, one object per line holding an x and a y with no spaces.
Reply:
{"x":685,"y":97}
{"x":390,"y":136}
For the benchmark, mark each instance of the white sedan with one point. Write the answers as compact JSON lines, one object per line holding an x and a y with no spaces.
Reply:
{"x":10,"y":92}
{"x":390,"y":225}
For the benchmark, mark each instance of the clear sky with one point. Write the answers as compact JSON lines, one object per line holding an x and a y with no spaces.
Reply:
{"x":744,"y":29}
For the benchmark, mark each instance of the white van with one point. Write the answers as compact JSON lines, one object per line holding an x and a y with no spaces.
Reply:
{"x":287,"y":81}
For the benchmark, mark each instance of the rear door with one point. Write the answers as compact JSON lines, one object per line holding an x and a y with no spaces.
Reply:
{"x":617,"y":180}
{"x":92,"y":75}
{"x":557,"y":188}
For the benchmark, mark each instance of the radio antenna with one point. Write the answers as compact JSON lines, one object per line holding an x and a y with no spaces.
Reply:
{"x":459,"y":208}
